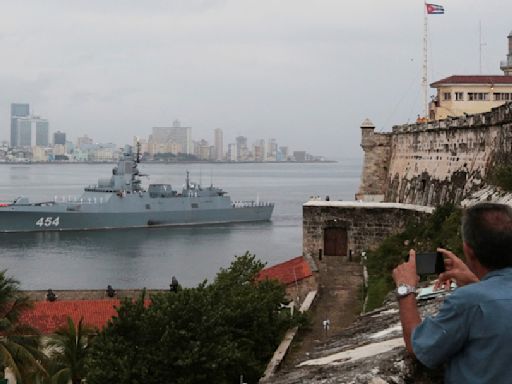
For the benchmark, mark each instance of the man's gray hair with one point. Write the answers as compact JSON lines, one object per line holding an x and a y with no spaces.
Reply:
{"x":487,"y":229}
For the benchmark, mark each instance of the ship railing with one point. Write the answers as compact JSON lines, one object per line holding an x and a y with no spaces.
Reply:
{"x":79,"y":200}
{"x":251,"y":203}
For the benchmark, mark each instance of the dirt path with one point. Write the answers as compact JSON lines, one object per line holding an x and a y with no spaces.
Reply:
{"x":338,"y":301}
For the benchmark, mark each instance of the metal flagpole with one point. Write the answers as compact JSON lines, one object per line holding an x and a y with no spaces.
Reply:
{"x":425,"y":61}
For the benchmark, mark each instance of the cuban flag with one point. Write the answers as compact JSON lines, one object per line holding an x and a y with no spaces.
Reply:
{"x":434,"y":9}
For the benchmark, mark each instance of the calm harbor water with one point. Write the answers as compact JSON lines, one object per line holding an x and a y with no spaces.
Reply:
{"x":139,"y":258}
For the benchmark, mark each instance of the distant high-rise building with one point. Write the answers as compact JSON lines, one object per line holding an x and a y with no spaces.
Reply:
{"x":59,"y":138}
{"x":219,"y":144}
{"x":182,"y":136}
{"x":83,"y":141}
{"x":42,"y":132}
{"x":272,"y":150}
{"x":259,"y":150}
{"x":283,"y":151}
{"x":241,"y":148}
{"x":231,"y":155}
{"x":299,"y":156}
{"x":18,"y":110}
{"x":23,"y":129}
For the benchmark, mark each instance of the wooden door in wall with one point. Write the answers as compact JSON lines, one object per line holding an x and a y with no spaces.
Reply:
{"x":335,"y":241}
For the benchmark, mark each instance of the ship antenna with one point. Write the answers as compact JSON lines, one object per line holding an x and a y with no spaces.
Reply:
{"x":188,"y":181}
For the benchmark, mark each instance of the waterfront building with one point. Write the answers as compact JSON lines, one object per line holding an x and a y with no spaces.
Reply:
{"x":283,"y":151}
{"x":231,"y":155}
{"x":39,"y":153}
{"x":23,"y":132}
{"x":258,"y":150}
{"x":154,"y":148}
{"x":242,"y":153}
{"x":218,"y":144}
{"x":18,"y":110}
{"x":458,"y":95}
{"x":83,"y":141}
{"x":202,"y":150}
{"x":42,"y":132}
{"x":299,"y":156}
{"x":59,"y":138}
{"x":182,"y":136}
{"x":272,"y":150}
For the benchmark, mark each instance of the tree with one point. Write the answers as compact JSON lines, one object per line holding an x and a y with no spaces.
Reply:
{"x":68,"y":349}
{"x":19,"y":344}
{"x":211,"y":333}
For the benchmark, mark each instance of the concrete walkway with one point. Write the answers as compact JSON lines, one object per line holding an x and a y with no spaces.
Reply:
{"x":338,"y":302}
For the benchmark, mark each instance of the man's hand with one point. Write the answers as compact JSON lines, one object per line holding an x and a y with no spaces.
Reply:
{"x":405,"y":273}
{"x":456,"y":270}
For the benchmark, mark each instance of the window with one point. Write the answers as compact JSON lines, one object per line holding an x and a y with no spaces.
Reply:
{"x":447,"y":96}
{"x":459,"y":96}
{"x":502,"y":96}
{"x":478,"y":96}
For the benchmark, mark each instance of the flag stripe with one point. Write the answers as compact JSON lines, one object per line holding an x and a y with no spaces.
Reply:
{"x":434,"y":9}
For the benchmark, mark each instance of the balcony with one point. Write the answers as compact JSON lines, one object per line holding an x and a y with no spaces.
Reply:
{"x":506,"y":63}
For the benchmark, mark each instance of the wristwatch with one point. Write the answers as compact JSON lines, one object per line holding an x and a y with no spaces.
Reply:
{"x":403,"y":290}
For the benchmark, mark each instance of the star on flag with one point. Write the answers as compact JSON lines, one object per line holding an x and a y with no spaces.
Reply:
{"x":434,"y":9}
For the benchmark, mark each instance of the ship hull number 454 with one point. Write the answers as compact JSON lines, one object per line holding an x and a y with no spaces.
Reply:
{"x":48,"y":221}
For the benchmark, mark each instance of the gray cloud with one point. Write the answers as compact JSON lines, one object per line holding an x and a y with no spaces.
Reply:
{"x":305,"y":72}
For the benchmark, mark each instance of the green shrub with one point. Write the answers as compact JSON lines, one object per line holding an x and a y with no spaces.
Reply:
{"x":441,"y":229}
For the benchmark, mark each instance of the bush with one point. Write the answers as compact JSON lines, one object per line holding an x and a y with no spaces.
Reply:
{"x":209,"y":334}
{"x":441,"y":229}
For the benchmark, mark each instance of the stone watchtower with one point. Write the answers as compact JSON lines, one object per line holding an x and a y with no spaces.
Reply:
{"x":506,"y":65}
{"x":377,"y":154}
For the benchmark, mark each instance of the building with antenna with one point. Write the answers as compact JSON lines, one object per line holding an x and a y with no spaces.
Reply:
{"x":459,"y":95}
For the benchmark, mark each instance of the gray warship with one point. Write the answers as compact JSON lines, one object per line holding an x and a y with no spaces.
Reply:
{"x":121,"y":202}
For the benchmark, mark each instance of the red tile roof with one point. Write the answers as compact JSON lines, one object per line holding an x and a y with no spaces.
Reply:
{"x":288,"y":272}
{"x":474,"y":79}
{"x":47,"y":316}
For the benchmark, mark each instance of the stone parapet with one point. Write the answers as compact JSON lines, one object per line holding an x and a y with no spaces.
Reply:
{"x":366,"y":224}
{"x":436,"y":162}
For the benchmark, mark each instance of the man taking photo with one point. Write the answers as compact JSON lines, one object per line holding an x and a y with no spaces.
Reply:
{"x":472,"y":333}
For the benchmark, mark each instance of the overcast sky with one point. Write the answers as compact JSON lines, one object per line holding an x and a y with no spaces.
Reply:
{"x":306,"y":72}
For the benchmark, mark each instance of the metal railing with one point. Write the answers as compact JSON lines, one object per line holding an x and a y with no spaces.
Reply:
{"x":251,"y":203}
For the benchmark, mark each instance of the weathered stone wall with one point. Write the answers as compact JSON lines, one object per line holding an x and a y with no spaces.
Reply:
{"x":442,"y":161}
{"x":377,"y":153}
{"x":367,"y":224}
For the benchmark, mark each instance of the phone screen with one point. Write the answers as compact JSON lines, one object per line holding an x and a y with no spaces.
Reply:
{"x":428,"y":263}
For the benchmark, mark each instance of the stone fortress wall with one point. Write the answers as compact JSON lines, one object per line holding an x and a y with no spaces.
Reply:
{"x":437,"y":162}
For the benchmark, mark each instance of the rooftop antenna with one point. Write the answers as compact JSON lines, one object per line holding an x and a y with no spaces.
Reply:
{"x":424,"y":79}
{"x":481,"y":44}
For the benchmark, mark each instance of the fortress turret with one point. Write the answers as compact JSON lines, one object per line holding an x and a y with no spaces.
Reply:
{"x":377,"y":152}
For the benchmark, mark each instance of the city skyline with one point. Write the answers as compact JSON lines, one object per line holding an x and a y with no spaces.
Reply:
{"x":30,"y":134}
{"x":301,"y":72}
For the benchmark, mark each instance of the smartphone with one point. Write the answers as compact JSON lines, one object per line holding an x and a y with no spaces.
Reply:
{"x":428,"y":263}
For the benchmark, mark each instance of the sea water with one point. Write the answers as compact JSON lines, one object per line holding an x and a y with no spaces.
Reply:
{"x":136,"y":258}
